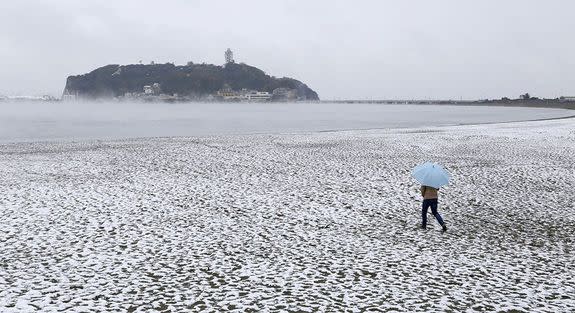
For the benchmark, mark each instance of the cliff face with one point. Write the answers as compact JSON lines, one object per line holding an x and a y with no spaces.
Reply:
{"x":194,"y":79}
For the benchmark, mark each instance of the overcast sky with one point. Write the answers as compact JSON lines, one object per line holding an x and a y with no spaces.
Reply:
{"x":446,"y":49}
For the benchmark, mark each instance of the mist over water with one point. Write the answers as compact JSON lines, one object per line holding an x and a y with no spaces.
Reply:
{"x":39,"y":121}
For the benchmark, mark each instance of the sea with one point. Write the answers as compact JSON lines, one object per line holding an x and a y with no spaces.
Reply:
{"x":76,"y":121}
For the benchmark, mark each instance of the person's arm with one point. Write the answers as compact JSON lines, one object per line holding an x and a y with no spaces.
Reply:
{"x":422,"y":190}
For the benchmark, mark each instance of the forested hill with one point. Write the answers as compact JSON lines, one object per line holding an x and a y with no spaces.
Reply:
{"x":192,"y":79}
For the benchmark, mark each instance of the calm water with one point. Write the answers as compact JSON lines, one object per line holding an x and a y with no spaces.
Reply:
{"x":111,"y":120}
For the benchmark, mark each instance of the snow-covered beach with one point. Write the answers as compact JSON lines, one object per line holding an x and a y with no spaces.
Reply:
{"x":319,"y":221}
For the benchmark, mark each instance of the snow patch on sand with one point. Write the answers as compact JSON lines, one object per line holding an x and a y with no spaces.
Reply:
{"x":314,"y":222}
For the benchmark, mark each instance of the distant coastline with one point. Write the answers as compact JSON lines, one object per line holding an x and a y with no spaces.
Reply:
{"x":529,"y":103}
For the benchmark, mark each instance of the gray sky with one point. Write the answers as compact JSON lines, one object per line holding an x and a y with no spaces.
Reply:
{"x":342,"y":49}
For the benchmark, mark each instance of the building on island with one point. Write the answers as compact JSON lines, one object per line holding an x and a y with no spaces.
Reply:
{"x":226,"y":93}
{"x":155,"y":89}
{"x":148,"y":90}
{"x":257,"y":96}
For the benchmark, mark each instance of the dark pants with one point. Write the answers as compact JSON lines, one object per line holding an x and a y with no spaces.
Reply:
{"x":433,"y":204}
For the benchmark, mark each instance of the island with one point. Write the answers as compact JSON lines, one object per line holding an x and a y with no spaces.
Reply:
{"x":168,"y":82}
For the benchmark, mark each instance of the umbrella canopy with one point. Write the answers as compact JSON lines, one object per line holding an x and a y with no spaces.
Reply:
{"x":431,"y":174}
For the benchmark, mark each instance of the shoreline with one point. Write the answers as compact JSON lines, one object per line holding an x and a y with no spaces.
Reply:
{"x":441,"y":126}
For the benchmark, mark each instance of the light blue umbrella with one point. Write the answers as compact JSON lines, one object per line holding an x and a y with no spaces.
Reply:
{"x":431,"y":174}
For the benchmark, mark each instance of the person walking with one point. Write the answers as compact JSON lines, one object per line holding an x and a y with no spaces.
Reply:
{"x":430,"y":199}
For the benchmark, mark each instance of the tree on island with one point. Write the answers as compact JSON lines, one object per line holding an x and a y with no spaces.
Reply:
{"x":526,"y":96}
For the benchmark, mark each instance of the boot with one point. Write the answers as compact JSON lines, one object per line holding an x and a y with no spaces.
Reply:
{"x":443,"y":227}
